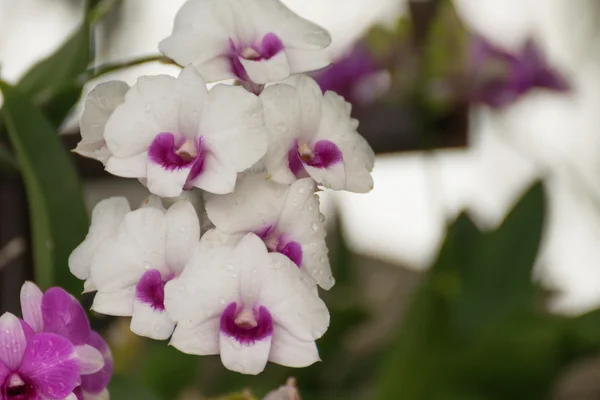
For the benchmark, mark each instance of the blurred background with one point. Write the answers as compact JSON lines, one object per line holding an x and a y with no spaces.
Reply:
{"x":472,"y":271}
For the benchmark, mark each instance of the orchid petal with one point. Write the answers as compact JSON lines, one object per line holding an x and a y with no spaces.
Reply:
{"x":31,"y":305}
{"x":52,"y":365}
{"x":106,"y":217}
{"x":12,"y":341}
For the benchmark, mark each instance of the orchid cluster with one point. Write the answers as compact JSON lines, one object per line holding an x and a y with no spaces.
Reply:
{"x":259,"y":151}
{"x":52,"y":353}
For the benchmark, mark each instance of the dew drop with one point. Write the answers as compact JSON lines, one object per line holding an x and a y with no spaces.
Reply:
{"x":315,"y":227}
{"x":322,"y":259}
{"x":322,"y":217}
{"x":148,"y":107}
{"x":301,"y":190}
{"x":222,"y":301}
{"x":147,"y":266}
{"x":310,"y":207}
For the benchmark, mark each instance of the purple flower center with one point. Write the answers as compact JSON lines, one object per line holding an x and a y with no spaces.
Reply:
{"x":151,"y":289}
{"x":176,"y":153}
{"x":278,"y":243}
{"x":246,"y":325}
{"x":269,"y":47}
{"x":323,"y":154}
{"x":17,"y":388}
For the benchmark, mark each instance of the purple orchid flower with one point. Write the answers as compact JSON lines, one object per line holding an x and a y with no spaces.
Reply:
{"x":35,"y":366}
{"x":357,"y":76}
{"x":501,"y":78}
{"x":59,"y":313}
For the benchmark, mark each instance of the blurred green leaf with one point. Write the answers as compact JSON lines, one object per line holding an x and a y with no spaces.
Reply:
{"x":122,"y":388}
{"x":60,"y":69}
{"x":168,"y":382}
{"x":58,"y":216}
{"x":496,"y":274}
{"x":422,"y":350}
{"x":477,"y":283}
{"x":8,"y":161}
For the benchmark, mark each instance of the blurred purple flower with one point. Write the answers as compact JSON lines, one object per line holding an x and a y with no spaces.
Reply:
{"x":35,"y":366}
{"x":500,"y":78}
{"x":57,"y":312}
{"x":357,"y":76}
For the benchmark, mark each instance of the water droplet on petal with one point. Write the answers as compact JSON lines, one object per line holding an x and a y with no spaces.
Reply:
{"x":147,"y":266}
{"x":148,"y":107}
{"x":322,"y":259}
{"x":239,"y":200}
{"x":222,"y":301}
{"x":301,"y":190}
{"x":322,"y":217}
{"x":315,"y":227}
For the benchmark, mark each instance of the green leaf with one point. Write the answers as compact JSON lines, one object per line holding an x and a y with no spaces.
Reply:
{"x":477,"y":282}
{"x":60,"y":69}
{"x":167,"y":382}
{"x":422,"y":350}
{"x":58,"y":216}
{"x":496,"y":275}
{"x":122,"y":388}
{"x":517,"y":358}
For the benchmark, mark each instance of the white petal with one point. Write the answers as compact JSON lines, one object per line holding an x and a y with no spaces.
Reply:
{"x":216,"y":177}
{"x":209,"y":282}
{"x":293,"y":30}
{"x":153,"y":201}
{"x":72,"y":396}
{"x":192,"y":98}
{"x":302,"y":60}
{"x":310,"y":97}
{"x":293,"y":304}
{"x":210,"y":21}
{"x":233,"y":127}
{"x":201,"y":339}
{"x":301,"y":221}
{"x":338,"y":127}
{"x":118,"y":303}
{"x":183,"y":234}
{"x":248,"y":359}
{"x":100,"y":104}
{"x":255,"y":204}
{"x":149,"y":322}
{"x":274,"y":69}
{"x":12,"y":341}
{"x":166,"y":182}
{"x":332,"y":177}
{"x":150,"y":107}
{"x":359,"y":160}
{"x":128,"y":167}
{"x":106,"y":218}
{"x":140,"y":245}
{"x":31,"y":305}
{"x":289,"y":351}
{"x":90,"y":359}
{"x":283,"y":119}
